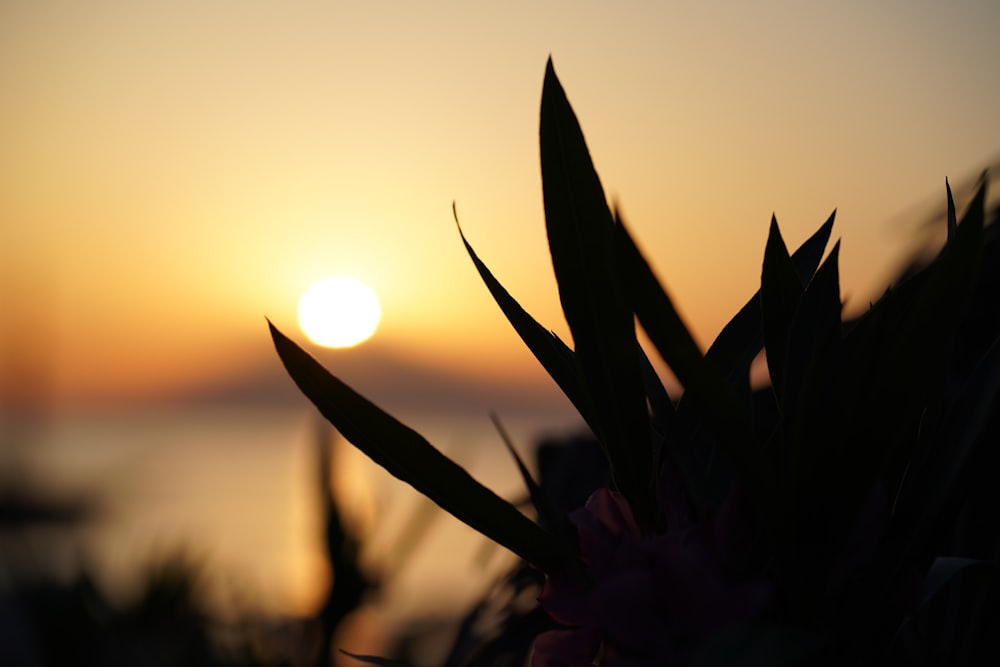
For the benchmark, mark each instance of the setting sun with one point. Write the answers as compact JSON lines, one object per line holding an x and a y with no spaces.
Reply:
{"x":339,"y":312}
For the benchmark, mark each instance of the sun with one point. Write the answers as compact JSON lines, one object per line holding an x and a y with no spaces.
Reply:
{"x":339,"y":312}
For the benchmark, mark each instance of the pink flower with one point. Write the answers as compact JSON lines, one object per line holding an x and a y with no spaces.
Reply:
{"x":650,"y":599}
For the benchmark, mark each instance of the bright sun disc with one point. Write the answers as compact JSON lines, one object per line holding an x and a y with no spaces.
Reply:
{"x":339,"y":312}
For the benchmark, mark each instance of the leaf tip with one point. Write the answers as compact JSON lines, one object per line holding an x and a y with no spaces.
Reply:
{"x":273,"y":329}
{"x":454,"y":215}
{"x":952,"y":214}
{"x":551,"y":83}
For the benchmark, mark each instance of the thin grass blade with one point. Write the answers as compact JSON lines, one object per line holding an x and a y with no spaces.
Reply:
{"x":534,"y":490}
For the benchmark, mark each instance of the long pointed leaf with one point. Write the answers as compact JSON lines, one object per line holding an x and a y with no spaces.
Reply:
{"x":732,"y":352}
{"x":935,"y":490}
{"x":543,"y":508}
{"x":673,"y":341}
{"x":943,"y":571}
{"x":952,"y":216}
{"x":553,"y":354}
{"x":780,"y":293}
{"x":742,"y":338}
{"x":811,"y":373}
{"x":811,"y":467}
{"x":407,"y":455}
{"x":581,"y":242}
{"x":899,"y":352}
{"x":660,"y":403}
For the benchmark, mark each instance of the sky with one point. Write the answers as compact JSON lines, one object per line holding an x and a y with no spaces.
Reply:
{"x":171,"y":173}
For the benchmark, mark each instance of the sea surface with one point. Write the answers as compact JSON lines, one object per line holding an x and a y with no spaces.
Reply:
{"x":235,"y":491}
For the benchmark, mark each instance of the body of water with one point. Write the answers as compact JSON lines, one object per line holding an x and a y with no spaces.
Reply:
{"x":235,"y":490}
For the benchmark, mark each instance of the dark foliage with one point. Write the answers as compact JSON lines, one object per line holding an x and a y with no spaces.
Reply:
{"x":841,"y":516}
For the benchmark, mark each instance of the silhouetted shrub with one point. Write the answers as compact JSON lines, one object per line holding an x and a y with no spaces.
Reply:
{"x":839,"y":517}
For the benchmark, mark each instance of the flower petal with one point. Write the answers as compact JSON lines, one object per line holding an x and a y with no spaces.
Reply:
{"x":565,"y":648}
{"x":565,"y":601}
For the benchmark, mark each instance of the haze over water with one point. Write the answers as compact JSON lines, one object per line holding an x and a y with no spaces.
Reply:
{"x":234,"y":488}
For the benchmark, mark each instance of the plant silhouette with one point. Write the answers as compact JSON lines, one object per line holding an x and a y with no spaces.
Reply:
{"x":839,"y":516}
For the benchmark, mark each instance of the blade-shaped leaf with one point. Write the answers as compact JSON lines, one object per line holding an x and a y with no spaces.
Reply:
{"x":581,"y":242}
{"x":732,"y":352}
{"x":943,"y":571}
{"x":809,"y":458}
{"x":897,"y":355}
{"x":662,"y":407}
{"x":780,"y":293}
{"x":554,"y":355}
{"x":674,"y":343}
{"x":407,"y":455}
{"x":741,"y":339}
{"x":935,"y":489}
{"x":952,"y":216}
{"x":813,"y":355}
{"x":542,"y":507}
{"x":958,"y":604}
{"x":940,"y":454}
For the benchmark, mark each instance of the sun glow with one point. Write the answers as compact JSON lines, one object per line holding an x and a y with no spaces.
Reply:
{"x":339,"y":312}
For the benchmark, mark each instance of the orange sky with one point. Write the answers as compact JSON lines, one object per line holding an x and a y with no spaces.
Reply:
{"x":172,"y":173}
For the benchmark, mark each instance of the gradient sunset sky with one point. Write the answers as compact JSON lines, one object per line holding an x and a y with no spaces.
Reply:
{"x":173,"y":172}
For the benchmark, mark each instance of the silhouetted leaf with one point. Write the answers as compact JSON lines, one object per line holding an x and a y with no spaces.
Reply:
{"x":554,"y":355}
{"x":725,"y":418}
{"x":937,"y":485}
{"x":810,"y":404}
{"x":581,"y":242}
{"x":780,"y":292}
{"x":542,"y":508}
{"x":944,"y":570}
{"x":732,"y":353}
{"x":407,"y":455}
{"x":742,"y":338}
{"x":897,"y":355}
{"x":660,"y":403}
{"x":956,"y":622}
{"x":673,"y":341}
{"x":815,"y":503}
{"x":952,"y":215}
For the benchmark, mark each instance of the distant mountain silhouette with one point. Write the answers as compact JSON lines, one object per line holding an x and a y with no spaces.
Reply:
{"x":388,"y":379}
